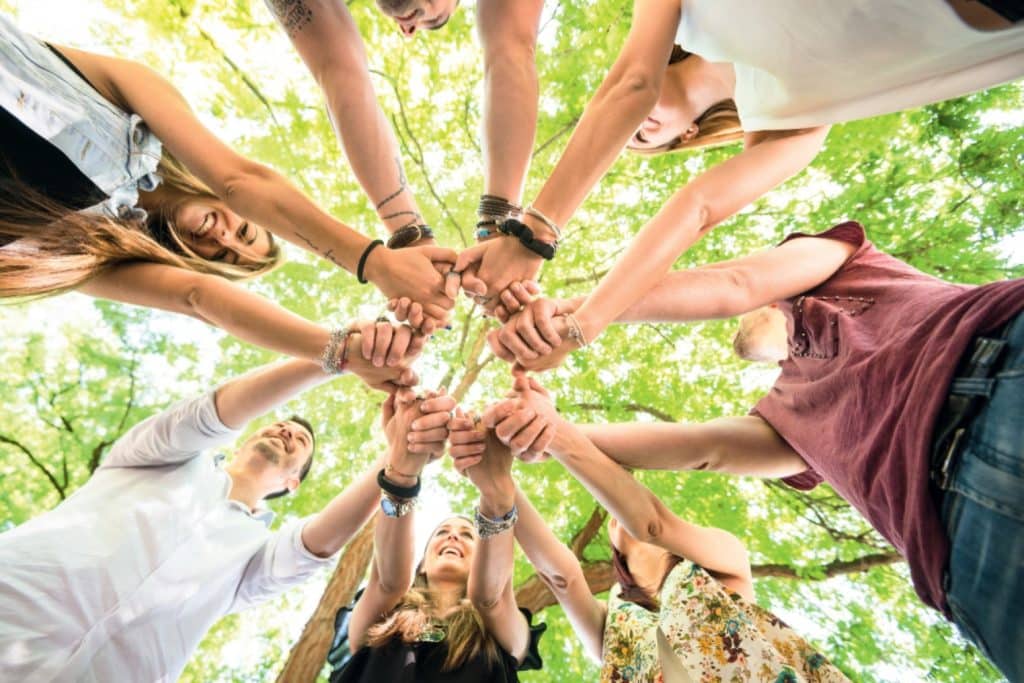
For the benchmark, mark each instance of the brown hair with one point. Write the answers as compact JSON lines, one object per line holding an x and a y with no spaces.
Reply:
{"x":47,"y":249}
{"x":718,"y":125}
{"x":631,"y":591}
{"x":464,"y":629}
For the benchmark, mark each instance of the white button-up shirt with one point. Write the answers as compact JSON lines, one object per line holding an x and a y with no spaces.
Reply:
{"x":121,"y":581}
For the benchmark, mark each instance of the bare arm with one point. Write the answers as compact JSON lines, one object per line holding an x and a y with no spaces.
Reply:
{"x":215,"y":301}
{"x":730,"y":288}
{"x":508,"y":32}
{"x":734,"y":445}
{"x":328,"y":40}
{"x":259,"y":193}
{"x":645,"y":517}
{"x":690,"y":213}
{"x":258,"y":392}
{"x":624,"y":99}
{"x":561,"y":572}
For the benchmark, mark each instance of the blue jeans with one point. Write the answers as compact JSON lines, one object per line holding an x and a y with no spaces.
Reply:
{"x":983,"y":511}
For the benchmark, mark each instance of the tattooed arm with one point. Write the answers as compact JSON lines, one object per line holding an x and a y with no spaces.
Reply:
{"x":328,"y":40}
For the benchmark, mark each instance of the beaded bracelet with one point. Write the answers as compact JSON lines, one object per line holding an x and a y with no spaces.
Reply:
{"x":487,"y":527}
{"x":334,"y":359}
{"x":486,"y":228}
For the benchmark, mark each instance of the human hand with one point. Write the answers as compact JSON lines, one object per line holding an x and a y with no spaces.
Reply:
{"x":488,"y":269}
{"x":415,"y":273}
{"x":380,"y":354}
{"x":527,"y":421}
{"x":514,"y":298}
{"x":416,"y":428}
{"x":479,"y":455}
{"x":516,"y":340}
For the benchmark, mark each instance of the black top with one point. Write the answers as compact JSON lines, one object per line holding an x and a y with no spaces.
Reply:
{"x":28,"y":159}
{"x":399,"y":662}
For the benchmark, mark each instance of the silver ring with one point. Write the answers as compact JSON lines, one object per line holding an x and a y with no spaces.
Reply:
{"x":453,"y":272}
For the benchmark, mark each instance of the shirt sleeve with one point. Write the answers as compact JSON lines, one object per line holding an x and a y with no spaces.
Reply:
{"x":850,"y":232}
{"x":282,"y":562}
{"x":805,"y":481}
{"x":179,"y":433}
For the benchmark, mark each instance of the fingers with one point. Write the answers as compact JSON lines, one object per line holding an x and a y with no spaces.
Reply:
{"x":498,"y":412}
{"x":470,"y":257}
{"x":439,"y":254}
{"x":526,"y":328}
{"x":416,"y":317}
{"x":438,"y":404}
{"x":416,"y":343}
{"x":384,"y":332}
{"x":494,"y":339}
{"x":399,"y":347}
{"x":523,"y":440}
{"x":509,"y":337}
{"x":387,"y":409}
{"x":472,"y":285}
{"x":537,"y":449}
{"x":437,"y":434}
{"x":408,"y":378}
{"x":404,"y":397}
{"x":431,"y":421}
{"x":514,"y":423}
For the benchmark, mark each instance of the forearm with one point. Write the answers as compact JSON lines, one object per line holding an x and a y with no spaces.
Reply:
{"x":493,"y":558}
{"x":626,"y":499}
{"x":393,"y":554}
{"x":745,"y":445}
{"x":345,"y":515}
{"x":617,"y":110}
{"x":650,"y":255}
{"x":258,"y":392}
{"x":688,"y":295}
{"x":266,"y":197}
{"x":509,"y":131}
{"x":371,"y":148}
{"x":254,"y":319}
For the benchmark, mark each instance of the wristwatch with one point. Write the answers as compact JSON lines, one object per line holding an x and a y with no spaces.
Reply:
{"x":396,"y":507}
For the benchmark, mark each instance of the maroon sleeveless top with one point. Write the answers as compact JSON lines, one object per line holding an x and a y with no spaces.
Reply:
{"x":872,"y":353}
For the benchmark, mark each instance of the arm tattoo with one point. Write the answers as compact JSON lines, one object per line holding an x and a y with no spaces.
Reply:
{"x":401,"y":186}
{"x":329,"y":254}
{"x":294,"y":15}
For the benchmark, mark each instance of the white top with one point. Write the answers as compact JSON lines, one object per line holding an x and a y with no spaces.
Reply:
{"x":802,"y":63}
{"x":121,"y":581}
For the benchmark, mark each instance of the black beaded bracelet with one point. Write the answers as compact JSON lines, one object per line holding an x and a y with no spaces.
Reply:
{"x":514,"y":228}
{"x":410,"y":234}
{"x":395,"y":490}
{"x":362,"y":260}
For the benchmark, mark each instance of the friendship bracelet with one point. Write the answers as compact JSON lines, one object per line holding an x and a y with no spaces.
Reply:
{"x":334,"y":359}
{"x":483,"y":230}
{"x":531,"y":210}
{"x":487,"y":527}
{"x":514,"y":228}
{"x":576,"y":330}
{"x":388,"y":469}
{"x":410,"y":234}
{"x":499,"y":207}
{"x":363,"y":260}
{"x":388,"y":486}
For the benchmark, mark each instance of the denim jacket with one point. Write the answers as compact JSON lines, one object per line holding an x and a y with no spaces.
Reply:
{"x":112,"y":148}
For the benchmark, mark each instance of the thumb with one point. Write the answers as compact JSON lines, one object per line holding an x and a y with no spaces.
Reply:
{"x":469,"y":257}
{"x":387,"y":409}
{"x":439,"y":254}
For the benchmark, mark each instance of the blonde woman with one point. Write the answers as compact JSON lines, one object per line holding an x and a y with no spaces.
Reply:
{"x":683,"y":608}
{"x":789,"y":70}
{"x":110,"y":185}
{"x":458,"y":620}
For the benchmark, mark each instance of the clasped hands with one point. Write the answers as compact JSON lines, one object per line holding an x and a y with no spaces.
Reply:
{"x":417,"y":426}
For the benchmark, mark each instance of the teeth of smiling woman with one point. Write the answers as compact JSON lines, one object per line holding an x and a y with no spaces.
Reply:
{"x":205,"y":226}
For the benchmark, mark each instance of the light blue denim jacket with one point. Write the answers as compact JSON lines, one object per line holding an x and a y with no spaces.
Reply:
{"x":112,"y":148}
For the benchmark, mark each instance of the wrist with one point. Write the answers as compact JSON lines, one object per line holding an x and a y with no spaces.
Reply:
{"x":540,"y":230}
{"x":590,"y":324}
{"x":401,"y":472}
{"x":497,"y":501}
{"x":376,"y":263}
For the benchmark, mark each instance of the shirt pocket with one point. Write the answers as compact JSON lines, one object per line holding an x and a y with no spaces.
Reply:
{"x":816,"y":329}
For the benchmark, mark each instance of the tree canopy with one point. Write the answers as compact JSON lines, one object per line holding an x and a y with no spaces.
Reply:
{"x":941,"y":187}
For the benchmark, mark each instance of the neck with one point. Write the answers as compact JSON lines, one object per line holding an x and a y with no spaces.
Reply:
{"x":243,"y":489}
{"x":447,"y":595}
{"x":707,"y":83}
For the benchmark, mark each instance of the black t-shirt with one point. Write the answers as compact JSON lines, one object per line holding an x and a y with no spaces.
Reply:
{"x":399,"y":662}
{"x":28,"y":159}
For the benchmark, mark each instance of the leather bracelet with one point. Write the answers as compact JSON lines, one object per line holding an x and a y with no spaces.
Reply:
{"x":514,"y":228}
{"x":388,"y":486}
{"x":410,"y":234}
{"x":362,"y":260}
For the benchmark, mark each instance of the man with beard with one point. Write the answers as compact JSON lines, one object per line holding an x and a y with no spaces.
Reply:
{"x":123,"y":579}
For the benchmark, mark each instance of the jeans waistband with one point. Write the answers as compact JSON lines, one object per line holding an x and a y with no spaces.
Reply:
{"x":972,"y":385}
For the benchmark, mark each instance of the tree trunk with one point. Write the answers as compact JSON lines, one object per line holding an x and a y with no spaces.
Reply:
{"x":309,"y":653}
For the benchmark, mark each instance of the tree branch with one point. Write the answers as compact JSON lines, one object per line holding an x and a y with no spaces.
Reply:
{"x":630,"y":407}
{"x":35,"y":461}
{"x":588,"y":531}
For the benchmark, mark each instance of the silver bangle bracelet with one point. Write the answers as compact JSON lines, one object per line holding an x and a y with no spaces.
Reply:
{"x":487,"y":527}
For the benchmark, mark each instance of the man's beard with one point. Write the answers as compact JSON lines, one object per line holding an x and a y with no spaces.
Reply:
{"x":399,"y":7}
{"x":264,"y":449}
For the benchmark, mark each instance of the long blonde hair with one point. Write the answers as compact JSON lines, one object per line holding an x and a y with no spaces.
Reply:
{"x":718,"y":125}
{"x":417,"y":612}
{"x":47,"y":249}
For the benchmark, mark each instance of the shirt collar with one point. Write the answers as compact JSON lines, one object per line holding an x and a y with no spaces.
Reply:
{"x":261,"y":514}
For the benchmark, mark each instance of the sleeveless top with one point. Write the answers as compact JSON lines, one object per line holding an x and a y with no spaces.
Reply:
{"x":113,"y":149}
{"x":802,"y":63}
{"x":713,"y":633}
